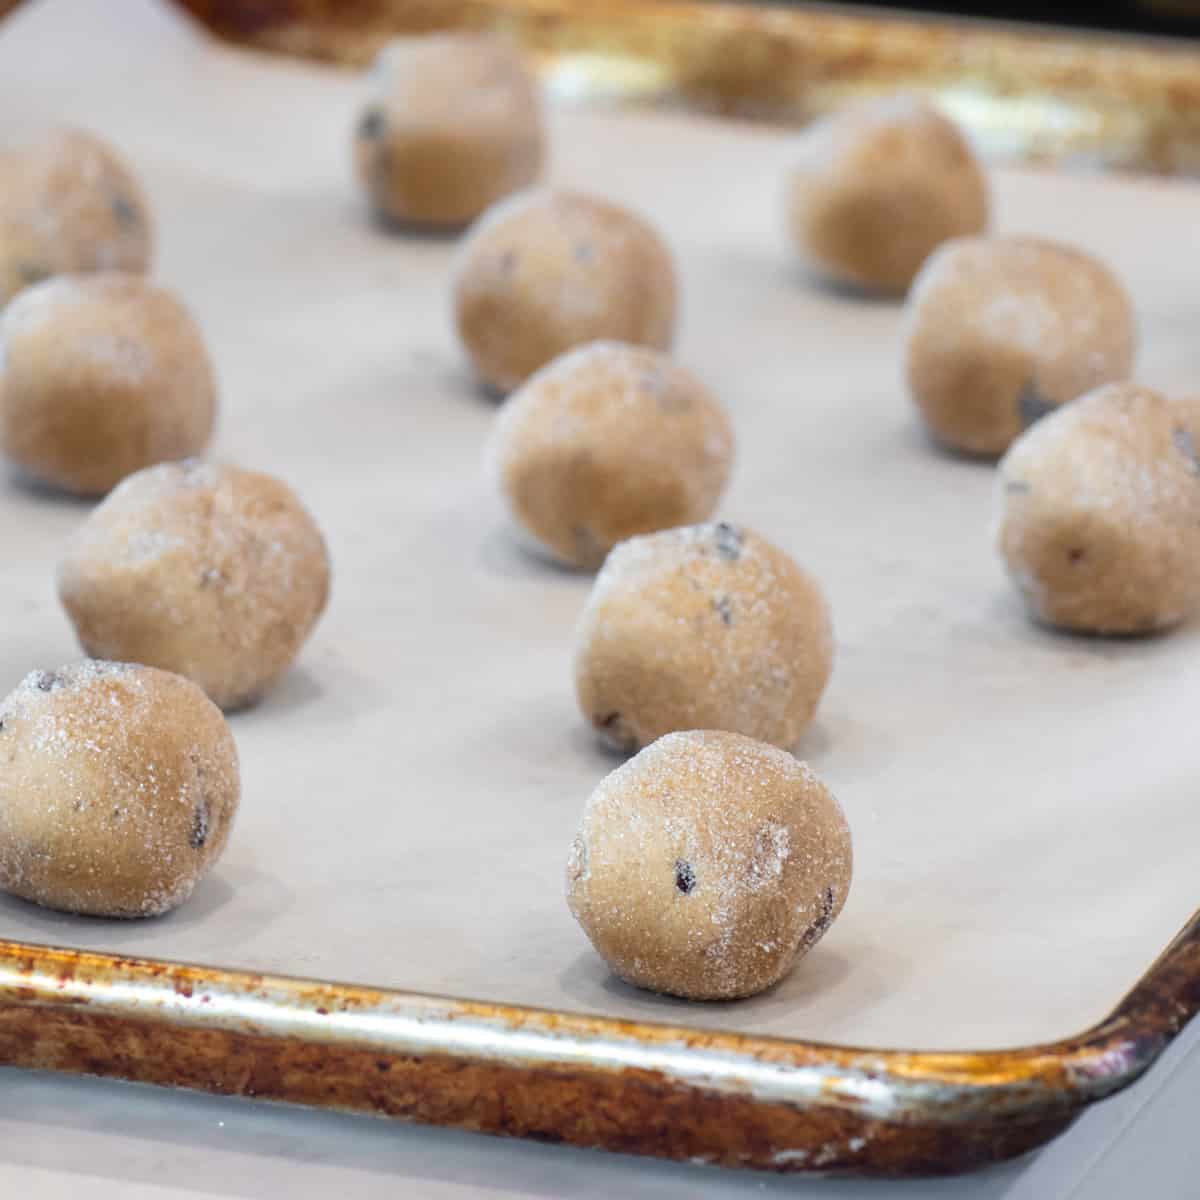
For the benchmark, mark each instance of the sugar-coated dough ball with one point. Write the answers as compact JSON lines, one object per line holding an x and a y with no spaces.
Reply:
{"x":707,"y":865}
{"x":1098,"y":514}
{"x":101,"y":375}
{"x":454,"y":126}
{"x":68,"y":204}
{"x":547,"y":270}
{"x":118,"y":785}
{"x":703,"y":627}
{"x":608,"y":441}
{"x":875,"y":188}
{"x":215,"y":573}
{"x":1001,"y":330}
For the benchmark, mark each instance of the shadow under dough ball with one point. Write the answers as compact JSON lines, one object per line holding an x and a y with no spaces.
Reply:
{"x":68,"y":204}
{"x":1001,"y":330}
{"x":544,"y":271}
{"x":213,"y":572}
{"x":608,"y":441}
{"x":100,"y":376}
{"x":707,"y":865}
{"x":1098,"y":514}
{"x":454,"y":124}
{"x":118,"y":787}
{"x":875,"y":188}
{"x":703,"y":627}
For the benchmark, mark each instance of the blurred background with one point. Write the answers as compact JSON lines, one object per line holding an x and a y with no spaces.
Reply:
{"x":1181,"y":17}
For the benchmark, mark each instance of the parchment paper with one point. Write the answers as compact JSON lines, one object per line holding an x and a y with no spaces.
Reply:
{"x":1023,"y":804}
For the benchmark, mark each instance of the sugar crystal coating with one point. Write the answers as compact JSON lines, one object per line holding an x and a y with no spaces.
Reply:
{"x":874,"y":188}
{"x":118,"y":786}
{"x":607,"y":441}
{"x":702,"y":627}
{"x":453,"y":126}
{"x":214,"y":572}
{"x":706,"y":865}
{"x":102,"y":374}
{"x":1002,"y":330}
{"x":546,"y":270}
{"x":1098,"y":514}
{"x":68,"y":204}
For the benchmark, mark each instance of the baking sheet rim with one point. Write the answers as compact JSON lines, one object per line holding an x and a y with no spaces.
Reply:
{"x":848,"y":1108}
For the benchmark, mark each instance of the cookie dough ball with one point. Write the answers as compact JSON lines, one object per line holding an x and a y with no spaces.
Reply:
{"x":118,"y":785}
{"x":607,"y":441}
{"x":704,"y":627}
{"x":875,"y":188}
{"x":68,"y":204}
{"x":707,"y":865}
{"x":216,"y":573}
{"x":454,"y":126}
{"x":101,"y":375}
{"x":1002,"y":330}
{"x":548,"y":270}
{"x":1099,"y":514}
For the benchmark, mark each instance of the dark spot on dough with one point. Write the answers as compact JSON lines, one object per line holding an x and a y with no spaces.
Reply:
{"x":1032,"y":406}
{"x":209,"y":577}
{"x":198,"y":835}
{"x":127,"y":216}
{"x":47,"y":681}
{"x":1186,"y":445}
{"x":685,"y":877}
{"x":199,"y":832}
{"x":1,"y":725}
{"x":584,"y":252}
{"x":1076,"y":553}
{"x":729,"y":541}
{"x":30,"y":273}
{"x":372,"y":123}
{"x":814,"y":933}
{"x":1015,"y":486}
{"x":508,"y":262}
{"x":723,"y":606}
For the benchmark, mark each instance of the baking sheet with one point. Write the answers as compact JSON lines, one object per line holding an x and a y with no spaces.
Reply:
{"x":1025,"y":92}
{"x":1022,"y":803}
